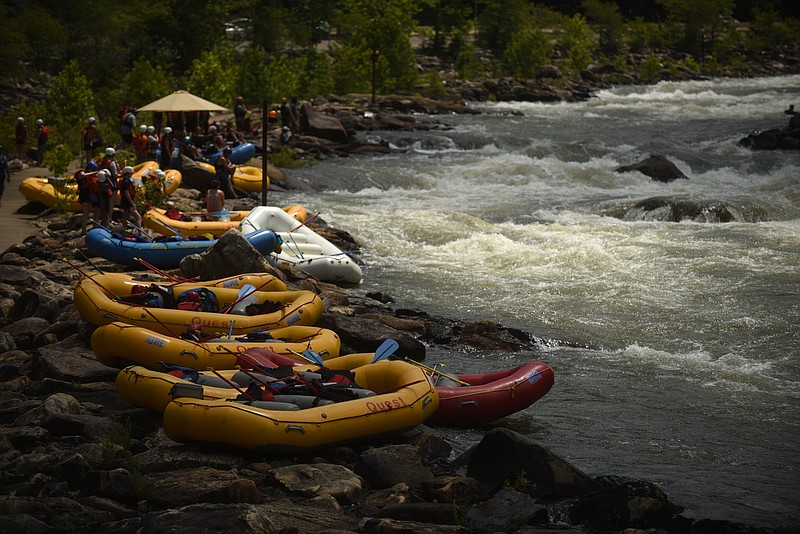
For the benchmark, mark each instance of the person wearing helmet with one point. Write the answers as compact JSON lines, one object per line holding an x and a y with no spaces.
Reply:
{"x":286,"y":135}
{"x":106,"y":195}
{"x":152,"y":143}
{"x":167,"y":145}
{"x":224,"y":169}
{"x":42,"y":135}
{"x":140,"y":144}
{"x":22,"y":138}
{"x":87,"y":182}
{"x":108,"y":163}
{"x":127,"y":191}
{"x":127,"y":125}
{"x":90,"y":137}
{"x":5,"y":175}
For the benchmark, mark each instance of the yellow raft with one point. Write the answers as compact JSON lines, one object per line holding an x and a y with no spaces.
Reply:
{"x":153,"y":388}
{"x":245,"y":177}
{"x":56,"y":191}
{"x":98,"y":300}
{"x":119,"y":344}
{"x":404,"y":398}
{"x":201,"y":223}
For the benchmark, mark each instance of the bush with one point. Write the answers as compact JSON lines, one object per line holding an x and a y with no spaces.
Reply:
{"x":527,"y":52}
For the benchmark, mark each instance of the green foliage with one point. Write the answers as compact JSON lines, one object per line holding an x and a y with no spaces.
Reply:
{"x":67,"y":106}
{"x":697,"y":21}
{"x":433,"y":85}
{"x":317,"y":79}
{"x":141,"y":85}
{"x":578,"y":43}
{"x":650,"y":69}
{"x":501,"y":19}
{"x":285,"y":157}
{"x":467,"y":64}
{"x":153,"y":190}
{"x":608,"y":23}
{"x":213,"y":76}
{"x":385,"y":26}
{"x":282,"y":79}
{"x":527,"y":52}
{"x":645,"y":36}
{"x":57,"y":159}
{"x":769,"y":32}
{"x":352,"y":73}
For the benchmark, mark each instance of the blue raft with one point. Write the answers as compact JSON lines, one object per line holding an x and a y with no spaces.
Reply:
{"x":162,"y":252}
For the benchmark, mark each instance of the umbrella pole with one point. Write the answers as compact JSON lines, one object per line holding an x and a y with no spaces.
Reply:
{"x":264,"y":152}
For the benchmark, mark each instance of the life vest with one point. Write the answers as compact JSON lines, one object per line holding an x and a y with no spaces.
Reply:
{"x":140,"y":144}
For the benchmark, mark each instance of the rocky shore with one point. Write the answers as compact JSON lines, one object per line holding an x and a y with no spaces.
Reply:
{"x":76,"y":457}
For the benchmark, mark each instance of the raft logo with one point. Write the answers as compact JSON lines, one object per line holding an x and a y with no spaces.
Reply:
{"x":292,"y":319}
{"x":385,"y":406}
{"x":534,"y":377}
{"x":155,"y":341}
{"x":230,"y":283}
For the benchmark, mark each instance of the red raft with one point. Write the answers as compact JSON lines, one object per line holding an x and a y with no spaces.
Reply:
{"x":492,"y":395}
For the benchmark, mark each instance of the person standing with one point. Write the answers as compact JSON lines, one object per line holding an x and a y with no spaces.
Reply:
{"x":108,"y":163}
{"x":87,"y":184}
{"x":140,"y":144}
{"x":42,"y":135}
{"x":127,"y":191}
{"x":152,"y":143}
{"x":294,"y":115}
{"x":22,"y":138}
{"x":106,"y":195}
{"x":90,"y":138}
{"x":5,"y":175}
{"x":167,"y":146}
{"x":224,"y":170}
{"x":127,"y":125}
{"x":239,"y":113}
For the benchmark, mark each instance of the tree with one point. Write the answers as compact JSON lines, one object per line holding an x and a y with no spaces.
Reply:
{"x":528,"y":51}
{"x":499,"y":21}
{"x":609,"y":25}
{"x":213,"y":76}
{"x":385,"y":26}
{"x":67,"y":106}
{"x":577,"y":41}
{"x":700,"y":22}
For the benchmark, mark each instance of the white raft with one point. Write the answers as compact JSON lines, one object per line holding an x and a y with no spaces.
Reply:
{"x":303,"y":247}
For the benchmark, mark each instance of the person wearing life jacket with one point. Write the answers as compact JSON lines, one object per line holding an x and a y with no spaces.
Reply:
{"x":108,"y":163}
{"x":224,"y":170}
{"x":140,"y":144}
{"x":127,"y":124}
{"x":127,"y":191}
{"x":167,"y":146}
{"x":152,"y":144}
{"x":90,"y":137}
{"x":106,"y":194}
{"x":87,"y":192}
{"x":21,"y":132}
{"x":42,"y":135}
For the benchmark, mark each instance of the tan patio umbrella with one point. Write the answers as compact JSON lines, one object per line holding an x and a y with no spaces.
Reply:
{"x":182,"y":101}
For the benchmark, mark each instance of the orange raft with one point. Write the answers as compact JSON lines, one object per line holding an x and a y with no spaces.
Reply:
{"x":103,"y":298}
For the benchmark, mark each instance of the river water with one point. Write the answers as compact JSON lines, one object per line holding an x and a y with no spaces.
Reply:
{"x":692,"y":375}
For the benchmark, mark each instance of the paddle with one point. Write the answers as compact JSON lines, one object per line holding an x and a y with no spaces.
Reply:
{"x":141,"y":231}
{"x":309,"y":356}
{"x":90,"y":262}
{"x":386,"y":349}
{"x":432,"y":370}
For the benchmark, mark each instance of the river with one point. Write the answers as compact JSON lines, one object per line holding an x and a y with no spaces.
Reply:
{"x":692,"y":375}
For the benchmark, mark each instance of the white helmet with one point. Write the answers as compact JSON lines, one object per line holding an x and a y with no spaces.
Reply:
{"x":102,"y":175}
{"x":39,"y":122}
{"x":167,"y":130}
{"x":92,"y":119}
{"x":110,"y":151}
{"x":161,"y":174}
{"x":20,"y":119}
{"x":127,"y":169}
{"x":151,"y":129}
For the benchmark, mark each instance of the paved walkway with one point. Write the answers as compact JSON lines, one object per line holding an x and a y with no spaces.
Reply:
{"x":15,"y":227}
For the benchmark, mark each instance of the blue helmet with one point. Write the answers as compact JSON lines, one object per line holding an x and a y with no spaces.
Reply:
{"x":91,"y":166}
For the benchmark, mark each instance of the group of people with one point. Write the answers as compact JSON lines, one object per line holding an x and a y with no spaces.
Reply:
{"x":41,"y":135}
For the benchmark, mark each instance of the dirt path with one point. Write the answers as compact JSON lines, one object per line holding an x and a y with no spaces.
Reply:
{"x":16,"y":226}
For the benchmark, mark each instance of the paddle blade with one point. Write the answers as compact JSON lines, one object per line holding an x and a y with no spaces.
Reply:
{"x":386,"y":349}
{"x":245,"y":291}
{"x":314,"y":357}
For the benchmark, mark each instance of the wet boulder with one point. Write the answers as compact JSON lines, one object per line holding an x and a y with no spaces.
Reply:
{"x":657,"y":167}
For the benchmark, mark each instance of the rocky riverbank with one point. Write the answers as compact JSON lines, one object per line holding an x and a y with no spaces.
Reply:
{"x":76,"y":457}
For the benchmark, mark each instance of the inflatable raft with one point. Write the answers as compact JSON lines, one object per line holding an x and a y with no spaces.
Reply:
{"x":404,"y":398}
{"x":192,"y":224}
{"x":119,"y":344}
{"x":480,"y":398}
{"x":245,"y":177}
{"x":161,"y":252}
{"x":302,"y":247}
{"x":240,"y":154}
{"x":102,"y":299}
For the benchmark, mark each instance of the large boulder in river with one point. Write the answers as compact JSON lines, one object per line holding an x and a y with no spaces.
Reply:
{"x":657,"y":167}
{"x":323,"y":126}
{"x":673,"y":210}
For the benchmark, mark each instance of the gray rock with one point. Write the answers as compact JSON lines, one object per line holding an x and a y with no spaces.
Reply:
{"x":657,"y":167}
{"x":311,"y":480}
{"x":506,"y":510}
{"x":386,"y":466}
